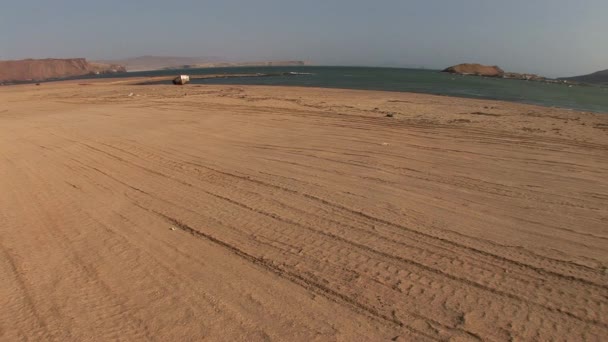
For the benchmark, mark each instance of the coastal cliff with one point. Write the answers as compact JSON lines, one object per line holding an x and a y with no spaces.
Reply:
{"x":45,"y":69}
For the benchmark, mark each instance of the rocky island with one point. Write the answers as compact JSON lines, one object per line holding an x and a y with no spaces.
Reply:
{"x":495,"y":71}
{"x":476,"y":70}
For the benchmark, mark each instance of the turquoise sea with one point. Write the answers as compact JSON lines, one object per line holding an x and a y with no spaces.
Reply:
{"x":586,"y":98}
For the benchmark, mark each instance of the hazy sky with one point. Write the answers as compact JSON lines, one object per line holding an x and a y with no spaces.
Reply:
{"x":550,"y":37}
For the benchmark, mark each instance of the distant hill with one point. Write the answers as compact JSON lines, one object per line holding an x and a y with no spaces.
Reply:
{"x":145,"y":63}
{"x":600,"y":77}
{"x":44,"y":69}
{"x":243,"y":64}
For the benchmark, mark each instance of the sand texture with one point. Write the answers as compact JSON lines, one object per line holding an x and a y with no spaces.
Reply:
{"x":232,"y":213}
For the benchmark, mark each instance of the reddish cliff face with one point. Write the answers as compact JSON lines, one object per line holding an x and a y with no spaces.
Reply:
{"x":476,"y":69}
{"x":43,"y":69}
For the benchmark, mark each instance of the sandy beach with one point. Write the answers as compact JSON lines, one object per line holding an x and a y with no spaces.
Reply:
{"x":169,"y":213}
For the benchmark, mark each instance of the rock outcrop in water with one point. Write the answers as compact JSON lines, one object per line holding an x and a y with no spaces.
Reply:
{"x":45,"y":69}
{"x":525,"y":77}
{"x":476,"y":69}
{"x":495,"y":71}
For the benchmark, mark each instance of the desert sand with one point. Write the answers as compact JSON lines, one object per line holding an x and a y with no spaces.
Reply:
{"x":170,"y":213}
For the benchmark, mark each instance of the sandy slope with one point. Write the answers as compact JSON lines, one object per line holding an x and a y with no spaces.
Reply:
{"x":252,"y":213}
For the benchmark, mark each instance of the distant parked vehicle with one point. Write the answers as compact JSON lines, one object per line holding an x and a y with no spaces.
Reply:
{"x":181,"y":80}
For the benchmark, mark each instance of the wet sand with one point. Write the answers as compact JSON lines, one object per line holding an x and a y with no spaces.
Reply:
{"x":271,"y":213}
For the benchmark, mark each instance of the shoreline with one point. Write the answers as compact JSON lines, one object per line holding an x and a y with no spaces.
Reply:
{"x":151,"y":81}
{"x":581,"y":98}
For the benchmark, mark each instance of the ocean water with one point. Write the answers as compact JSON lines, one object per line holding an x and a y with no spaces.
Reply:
{"x":585,"y":98}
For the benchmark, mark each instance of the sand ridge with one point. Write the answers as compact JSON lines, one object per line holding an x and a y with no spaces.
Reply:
{"x":271,"y":213}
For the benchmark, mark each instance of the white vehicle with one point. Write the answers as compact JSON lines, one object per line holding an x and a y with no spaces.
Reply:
{"x":181,"y":79}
